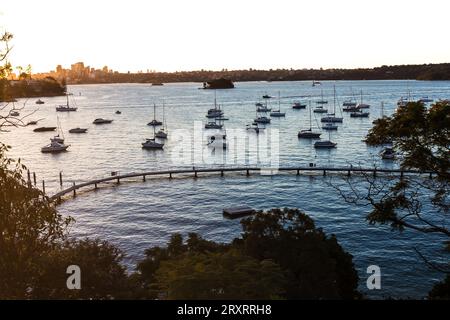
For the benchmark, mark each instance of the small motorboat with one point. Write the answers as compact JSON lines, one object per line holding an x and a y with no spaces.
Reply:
{"x":152,"y":144}
{"x":308,"y":134}
{"x":259,"y":104}
{"x":213,"y":125}
{"x":298,"y":105}
{"x":78,"y":130}
{"x":154,"y":84}
{"x":350,"y":108}
{"x":425,"y":99}
{"x":66,"y":109}
{"x":14,"y":114}
{"x":331,"y":118}
{"x":359,"y":114}
{"x":39,"y":101}
{"x":349,"y":103}
{"x":363,"y":106}
{"x":330,"y":126}
{"x":118,"y":112}
{"x":262,"y":120}
{"x":101,"y":121}
{"x":263,"y":109}
{"x":57,"y":139}
{"x":277,"y":114}
{"x":32,"y":123}
{"x":161,"y":134}
{"x":266,"y":96}
{"x":44,"y":129}
{"x":326,"y":144}
{"x":388,"y":153}
{"x":253,"y":126}
{"x":154,"y":122}
{"x":54,"y":147}
{"x":320,"y":109}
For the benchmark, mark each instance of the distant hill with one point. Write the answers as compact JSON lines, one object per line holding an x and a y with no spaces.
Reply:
{"x":418,"y":72}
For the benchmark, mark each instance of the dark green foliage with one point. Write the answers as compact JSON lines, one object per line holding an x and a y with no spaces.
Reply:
{"x":280,"y":255}
{"x":441,"y":291}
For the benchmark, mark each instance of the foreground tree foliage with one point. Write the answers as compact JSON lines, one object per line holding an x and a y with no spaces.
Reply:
{"x":280,"y":255}
{"x":420,"y":135}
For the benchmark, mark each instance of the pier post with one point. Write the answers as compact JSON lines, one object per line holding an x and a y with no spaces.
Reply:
{"x":298,"y":172}
{"x":170,"y":175}
{"x":60,"y":179}
{"x":29,"y":178}
{"x":431,"y":175}
{"x":195,"y":174}
{"x":43,"y":187}
{"x":348,"y":173}
{"x":34,"y":178}
{"x":375,"y":173}
{"x":95,"y":186}
{"x":324,"y":173}
{"x":401,"y":174}
{"x":74,"y":190}
{"x":143,"y":177}
{"x":248,"y":172}
{"x":118,"y":180}
{"x":221,"y":173}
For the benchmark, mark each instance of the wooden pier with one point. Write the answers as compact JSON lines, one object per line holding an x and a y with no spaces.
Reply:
{"x":246,"y":170}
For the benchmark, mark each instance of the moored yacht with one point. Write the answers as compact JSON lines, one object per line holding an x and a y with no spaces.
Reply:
{"x":101,"y":121}
{"x":66,"y":108}
{"x":308,"y":133}
{"x":54,"y":147}
{"x":152,"y":144}
{"x":78,"y":130}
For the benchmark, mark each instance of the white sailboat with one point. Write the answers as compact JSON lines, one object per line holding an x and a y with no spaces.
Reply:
{"x":163,"y":132}
{"x":278,"y":113}
{"x":331,"y":117}
{"x":308,"y":133}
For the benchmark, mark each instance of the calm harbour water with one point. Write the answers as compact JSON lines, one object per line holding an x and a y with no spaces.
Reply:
{"x":138,"y":215}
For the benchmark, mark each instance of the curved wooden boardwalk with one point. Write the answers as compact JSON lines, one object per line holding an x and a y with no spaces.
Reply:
{"x":247,"y":170}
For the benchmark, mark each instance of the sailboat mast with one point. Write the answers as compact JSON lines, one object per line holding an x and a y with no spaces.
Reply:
{"x":334,"y":99}
{"x":154,"y":111}
{"x":310,"y":124}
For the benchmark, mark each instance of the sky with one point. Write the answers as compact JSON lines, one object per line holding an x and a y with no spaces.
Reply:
{"x":175,"y":35}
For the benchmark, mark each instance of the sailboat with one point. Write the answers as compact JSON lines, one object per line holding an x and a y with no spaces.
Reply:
{"x":162,"y":133}
{"x":154,"y":122}
{"x":308,"y":133}
{"x":331,"y":117}
{"x":214,"y":112}
{"x":321,"y":102}
{"x":66,"y":108}
{"x":58,"y":138}
{"x":151,"y":143}
{"x":263,"y":108}
{"x":363,"y":105}
{"x":325,"y":144}
{"x":278,"y":113}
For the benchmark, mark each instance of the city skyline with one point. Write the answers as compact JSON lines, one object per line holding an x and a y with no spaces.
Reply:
{"x":173,"y":35}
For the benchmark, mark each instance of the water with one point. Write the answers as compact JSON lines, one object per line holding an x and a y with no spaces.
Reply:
{"x":138,"y":215}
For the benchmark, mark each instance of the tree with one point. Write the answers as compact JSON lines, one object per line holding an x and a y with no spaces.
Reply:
{"x":280,"y":255}
{"x":317,"y":266}
{"x":229,"y":275}
{"x":30,"y":228}
{"x":421,"y":138}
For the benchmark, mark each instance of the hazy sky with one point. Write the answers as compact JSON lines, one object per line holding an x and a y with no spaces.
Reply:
{"x":169,"y":35}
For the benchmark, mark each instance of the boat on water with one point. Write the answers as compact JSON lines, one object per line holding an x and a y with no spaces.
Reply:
{"x":308,"y":133}
{"x":278,"y":113}
{"x":162,"y":133}
{"x":388,"y":153}
{"x":402,"y":102}
{"x":316,"y":83}
{"x":221,"y":83}
{"x":325,"y":144}
{"x":266,"y":96}
{"x":215,"y":112}
{"x":263,"y":108}
{"x":350,"y":108}
{"x":54,"y":147}
{"x":359,"y":114}
{"x":32,"y":123}
{"x":39,"y":101}
{"x":362,"y":105}
{"x":331,"y":117}
{"x":320,"y":109}
{"x":254,"y":126}
{"x":322,"y":100}
{"x":102,"y":121}
{"x":262,"y":119}
{"x":154,"y":122}
{"x":78,"y":130}
{"x":259,"y":104}
{"x":349,"y":103}
{"x":213,"y":125}
{"x":67,"y":107}
{"x":157,"y":84}
{"x":329,"y":126}
{"x":118,"y":112}
{"x":44,"y":129}
{"x":298,"y":105}
{"x":425,"y":99}
{"x":152,"y":144}
{"x":14,"y":114}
